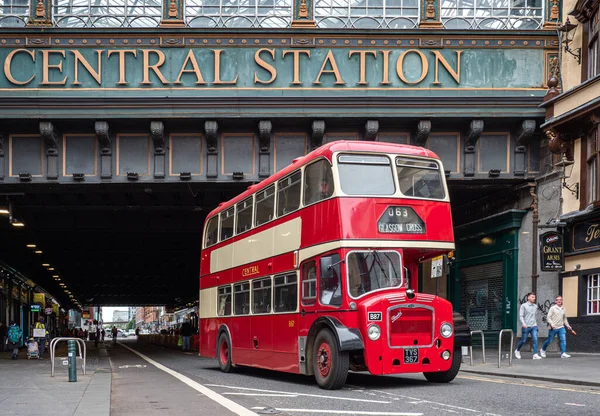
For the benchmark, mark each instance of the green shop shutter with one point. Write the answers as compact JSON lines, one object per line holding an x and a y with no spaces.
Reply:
{"x":481,"y":296}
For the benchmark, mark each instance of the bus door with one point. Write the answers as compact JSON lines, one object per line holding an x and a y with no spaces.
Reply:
{"x":261,"y":323}
{"x":285,"y":321}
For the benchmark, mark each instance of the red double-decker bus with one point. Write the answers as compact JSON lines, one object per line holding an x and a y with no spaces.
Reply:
{"x":313,"y":270}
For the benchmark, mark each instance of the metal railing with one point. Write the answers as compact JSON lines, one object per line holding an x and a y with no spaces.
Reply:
{"x":500,"y":347}
{"x":82,"y":351}
{"x":482,"y":346}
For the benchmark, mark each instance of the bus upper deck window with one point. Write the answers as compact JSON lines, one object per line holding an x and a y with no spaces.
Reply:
{"x":420,"y":178}
{"x":212,"y":231}
{"x":366,"y":174}
{"x":227,"y":218}
{"x":318,"y":182}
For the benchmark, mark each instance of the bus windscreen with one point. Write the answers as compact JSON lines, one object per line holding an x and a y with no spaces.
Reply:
{"x":373,"y":270}
{"x":366,"y":175}
{"x":420,"y":178}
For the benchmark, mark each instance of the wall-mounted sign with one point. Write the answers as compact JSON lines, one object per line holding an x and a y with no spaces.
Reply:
{"x":35,"y":308}
{"x":552,"y":252}
{"x":586,"y":235}
{"x":39,"y":298}
{"x":437,"y":266}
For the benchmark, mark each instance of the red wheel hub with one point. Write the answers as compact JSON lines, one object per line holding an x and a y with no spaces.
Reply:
{"x":224,"y":352}
{"x":324,"y":359}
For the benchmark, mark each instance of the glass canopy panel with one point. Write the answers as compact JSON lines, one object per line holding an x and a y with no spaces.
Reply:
{"x":107,"y":13}
{"x":14,"y":13}
{"x":492,"y":14}
{"x":366,"y":14}
{"x":239,"y":13}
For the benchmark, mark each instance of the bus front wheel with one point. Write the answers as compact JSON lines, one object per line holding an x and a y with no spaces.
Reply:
{"x":450,"y":374}
{"x":330,"y":365}
{"x":224,"y":353}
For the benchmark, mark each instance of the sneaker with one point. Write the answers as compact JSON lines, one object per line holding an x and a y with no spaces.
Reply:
{"x":517,"y":354}
{"x":565,"y":355}
{"x":536,"y":357}
{"x":543,"y":353}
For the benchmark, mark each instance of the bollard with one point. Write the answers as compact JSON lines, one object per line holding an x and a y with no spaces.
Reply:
{"x":72,"y":361}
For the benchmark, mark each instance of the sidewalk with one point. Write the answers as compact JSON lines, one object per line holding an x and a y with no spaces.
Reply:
{"x":580,"y":369}
{"x":26,"y":387}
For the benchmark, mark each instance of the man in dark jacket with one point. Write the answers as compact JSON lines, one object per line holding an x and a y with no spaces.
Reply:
{"x":186,"y":332}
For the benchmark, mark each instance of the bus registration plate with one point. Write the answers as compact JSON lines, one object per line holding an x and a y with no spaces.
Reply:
{"x":411,"y":356}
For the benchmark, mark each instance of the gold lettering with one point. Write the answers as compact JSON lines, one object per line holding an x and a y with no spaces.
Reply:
{"x":362,"y":64}
{"x":440,"y":58}
{"x":385,"y":79}
{"x":400,"y":64}
{"x":121,"y":53}
{"x":217,"y":53}
{"x":46,"y":67}
{"x":7,"y":70}
{"x":296,"y":53}
{"x":334,"y":70}
{"x":195,"y":68}
{"x":592,"y":233}
{"x":265,"y":66}
{"x":154,"y":67}
{"x":97,"y":75}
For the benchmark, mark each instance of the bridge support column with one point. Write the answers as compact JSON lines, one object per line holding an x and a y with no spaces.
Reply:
{"x":50,"y":137}
{"x":264,"y":156}
{"x":475,"y":130}
{"x":210,"y":135}
{"x":157,"y":132}
{"x":523,"y":136}
{"x":103,"y":136}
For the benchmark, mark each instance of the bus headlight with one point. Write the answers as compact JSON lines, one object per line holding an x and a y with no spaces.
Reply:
{"x":446,"y":330}
{"x":374,"y":332}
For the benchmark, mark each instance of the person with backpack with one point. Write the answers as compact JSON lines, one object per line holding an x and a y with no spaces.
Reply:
{"x":14,"y":340}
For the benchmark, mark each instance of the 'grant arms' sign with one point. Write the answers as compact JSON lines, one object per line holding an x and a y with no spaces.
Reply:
{"x":275,"y":68}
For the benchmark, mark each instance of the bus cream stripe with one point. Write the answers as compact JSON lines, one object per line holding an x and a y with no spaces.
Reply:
{"x":208,"y":303}
{"x":321,"y":248}
{"x":283,"y":238}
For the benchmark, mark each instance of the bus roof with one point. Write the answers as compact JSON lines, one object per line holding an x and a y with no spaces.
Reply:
{"x":326,"y":151}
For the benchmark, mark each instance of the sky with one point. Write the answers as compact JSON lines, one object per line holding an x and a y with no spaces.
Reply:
{"x":107,"y":312}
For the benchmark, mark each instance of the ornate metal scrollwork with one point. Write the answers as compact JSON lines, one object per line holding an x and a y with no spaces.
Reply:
{"x":318,"y":131}
{"x":371,"y":129}
{"x":422,"y":133}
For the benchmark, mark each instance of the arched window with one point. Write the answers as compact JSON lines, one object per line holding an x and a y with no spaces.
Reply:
{"x":239,"y":13}
{"x":14,"y":13}
{"x":367,"y":14}
{"x":107,"y":13}
{"x":492,"y":14}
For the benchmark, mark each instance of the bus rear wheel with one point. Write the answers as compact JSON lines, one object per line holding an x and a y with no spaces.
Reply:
{"x":224,"y":353}
{"x":330,"y":365}
{"x":450,"y":374}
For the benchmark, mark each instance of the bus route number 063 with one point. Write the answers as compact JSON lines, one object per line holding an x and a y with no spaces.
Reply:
{"x":398,"y":212}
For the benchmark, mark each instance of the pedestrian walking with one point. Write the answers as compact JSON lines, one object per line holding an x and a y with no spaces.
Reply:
{"x":186,"y":332}
{"x":41,"y":341}
{"x":3,"y":334}
{"x":114,"y":331}
{"x":528,"y":317}
{"x":14,"y":340}
{"x":557,"y":318}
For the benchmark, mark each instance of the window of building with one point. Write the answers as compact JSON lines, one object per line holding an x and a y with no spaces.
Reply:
{"x":261,"y":296}
{"x":224,"y":301}
{"x":14,"y":13}
{"x":227,"y":218}
{"x":593,"y":294}
{"x":212,"y":232}
{"x":487,"y":14}
{"x":593,"y":46}
{"x":318,"y":182}
{"x":239,"y":13}
{"x":241,"y":298}
{"x":368,"y":14}
{"x":286,"y":293}
{"x":288,"y":194}
{"x":244,"y":215}
{"x":107,"y":13}
{"x":309,"y":283}
{"x":265,"y":204}
{"x":592,"y":177}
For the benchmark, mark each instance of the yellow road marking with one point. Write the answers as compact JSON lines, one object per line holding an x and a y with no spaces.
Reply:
{"x":526,"y":384}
